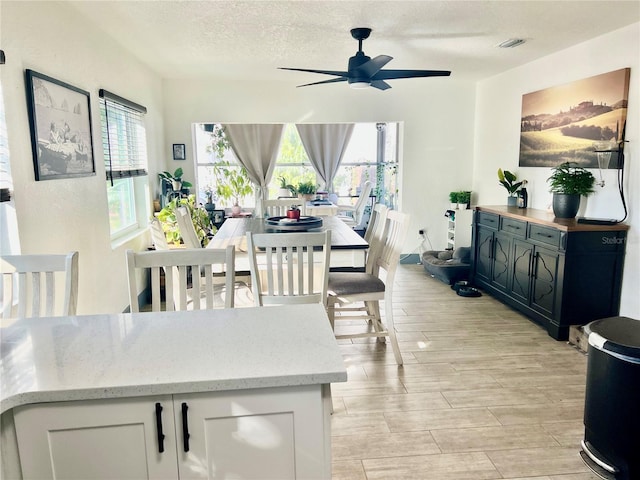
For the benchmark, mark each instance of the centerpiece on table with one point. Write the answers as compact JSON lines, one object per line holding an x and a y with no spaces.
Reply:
{"x":293,"y":213}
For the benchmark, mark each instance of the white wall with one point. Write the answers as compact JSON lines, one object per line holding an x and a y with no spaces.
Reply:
{"x":57,"y":216}
{"x":497,"y":137}
{"x":442,"y":119}
{"x":437,"y":114}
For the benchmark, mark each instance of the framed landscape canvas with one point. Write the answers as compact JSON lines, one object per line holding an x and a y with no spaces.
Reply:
{"x":60,"y":123}
{"x":560,"y":124}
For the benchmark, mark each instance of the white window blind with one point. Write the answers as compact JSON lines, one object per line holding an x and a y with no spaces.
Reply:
{"x":123,"y":136}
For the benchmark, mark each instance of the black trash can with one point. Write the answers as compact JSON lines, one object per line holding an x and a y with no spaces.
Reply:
{"x":611,"y":445}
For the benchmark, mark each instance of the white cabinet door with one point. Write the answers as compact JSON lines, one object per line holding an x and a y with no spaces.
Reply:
{"x":274,"y":433}
{"x":97,"y":439}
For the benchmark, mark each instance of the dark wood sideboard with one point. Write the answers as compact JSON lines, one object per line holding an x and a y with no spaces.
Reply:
{"x":556,"y":271}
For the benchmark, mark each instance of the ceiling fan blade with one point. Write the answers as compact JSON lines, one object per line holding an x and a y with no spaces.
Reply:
{"x":364,"y":71}
{"x":380,"y":85}
{"x":326,"y":72}
{"x":391,"y":74}
{"x":373,"y":66}
{"x":332,"y":80}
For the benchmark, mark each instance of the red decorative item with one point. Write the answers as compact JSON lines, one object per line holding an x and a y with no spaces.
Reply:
{"x":293,"y":213}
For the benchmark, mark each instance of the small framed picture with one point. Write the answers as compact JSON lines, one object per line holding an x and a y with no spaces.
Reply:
{"x":218,"y":217}
{"x":179,"y":151}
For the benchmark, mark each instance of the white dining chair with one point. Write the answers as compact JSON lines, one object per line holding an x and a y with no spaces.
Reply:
{"x":373,"y":231}
{"x":293,"y":267}
{"x":35,"y":285}
{"x":376,"y":222}
{"x":187,"y":230}
{"x":352,"y":214}
{"x":370,"y":287}
{"x":189,"y":280}
{"x":158,"y":238}
{"x":279,"y":207}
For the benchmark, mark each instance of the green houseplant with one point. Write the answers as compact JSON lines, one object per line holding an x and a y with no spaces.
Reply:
{"x":464,"y":199}
{"x":306,"y":189}
{"x":232,"y":183}
{"x":175,"y":179}
{"x":568,"y":182}
{"x":286,"y":189}
{"x":199,"y":216}
{"x":508,"y":180}
{"x":453,"y":199}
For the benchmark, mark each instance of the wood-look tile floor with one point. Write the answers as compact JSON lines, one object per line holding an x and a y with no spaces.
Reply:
{"x":484,"y":393}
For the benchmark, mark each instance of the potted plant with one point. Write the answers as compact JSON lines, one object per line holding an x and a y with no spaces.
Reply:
{"x":453,"y":198}
{"x":232,"y":183}
{"x":464,"y":199}
{"x":508,"y":181}
{"x":286,"y":189}
{"x":568,"y":182}
{"x":210,"y":206}
{"x":306,"y":190}
{"x":175,"y":179}
{"x":293,"y":212}
{"x":199,"y":216}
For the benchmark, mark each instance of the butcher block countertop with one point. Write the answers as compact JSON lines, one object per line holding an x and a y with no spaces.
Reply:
{"x":545,"y":217}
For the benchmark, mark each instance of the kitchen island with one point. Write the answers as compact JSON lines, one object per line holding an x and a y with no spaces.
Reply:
{"x":201,"y":394}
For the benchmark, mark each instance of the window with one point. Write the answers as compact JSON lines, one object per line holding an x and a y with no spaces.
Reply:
{"x":125,"y":155}
{"x":371,"y":155}
{"x":9,"y":243}
{"x":292,"y":163}
{"x":214,"y":157}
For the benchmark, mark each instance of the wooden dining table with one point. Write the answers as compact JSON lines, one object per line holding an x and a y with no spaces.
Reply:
{"x":344,"y":240}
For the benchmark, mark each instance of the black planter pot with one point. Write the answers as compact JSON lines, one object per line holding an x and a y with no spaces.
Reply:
{"x":565,"y":206}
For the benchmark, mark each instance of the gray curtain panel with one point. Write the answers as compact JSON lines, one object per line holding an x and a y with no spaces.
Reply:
{"x":256,"y":147}
{"x":325,"y":145}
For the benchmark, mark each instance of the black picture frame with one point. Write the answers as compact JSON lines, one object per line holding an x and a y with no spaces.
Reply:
{"x":179,"y":151}
{"x":217,"y":217}
{"x":60,"y":124}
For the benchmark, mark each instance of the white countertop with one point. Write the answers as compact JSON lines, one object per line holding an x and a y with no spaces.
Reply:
{"x":110,"y":356}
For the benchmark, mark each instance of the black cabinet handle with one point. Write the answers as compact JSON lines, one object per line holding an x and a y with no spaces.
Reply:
{"x":543,"y":235}
{"x":159,"y":428}
{"x":185,"y":427}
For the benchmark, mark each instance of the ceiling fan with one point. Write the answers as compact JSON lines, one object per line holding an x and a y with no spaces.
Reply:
{"x":365,"y":71}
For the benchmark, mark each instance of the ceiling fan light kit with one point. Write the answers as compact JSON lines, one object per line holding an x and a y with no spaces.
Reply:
{"x":364,"y":71}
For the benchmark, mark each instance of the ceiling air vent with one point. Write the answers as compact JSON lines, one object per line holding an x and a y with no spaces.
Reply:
{"x":511,"y":43}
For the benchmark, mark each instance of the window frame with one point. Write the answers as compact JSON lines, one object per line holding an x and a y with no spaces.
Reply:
{"x":380,"y":161}
{"x":132,"y":163}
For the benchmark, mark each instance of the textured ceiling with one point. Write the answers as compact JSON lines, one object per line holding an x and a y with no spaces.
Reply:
{"x":202,"y":39}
